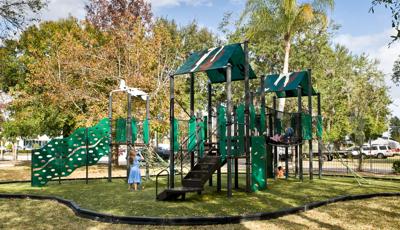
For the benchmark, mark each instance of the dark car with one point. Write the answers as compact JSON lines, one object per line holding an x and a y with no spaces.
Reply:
{"x":163,"y":152}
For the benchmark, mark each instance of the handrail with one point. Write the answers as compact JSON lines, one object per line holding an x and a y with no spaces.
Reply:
{"x":180,"y":105}
{"x":181,"y":155}
{"x":165,"y":170}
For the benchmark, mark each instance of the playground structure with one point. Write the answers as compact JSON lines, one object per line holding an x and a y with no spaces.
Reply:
{"x":227,"y":134}
{"x":248,"y":135}
{"x":85,"y":146}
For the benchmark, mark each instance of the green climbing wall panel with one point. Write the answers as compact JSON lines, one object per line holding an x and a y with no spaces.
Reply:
{"x":258,"y":163}
{"x":60,"y":157}
{"x":306,"y":124}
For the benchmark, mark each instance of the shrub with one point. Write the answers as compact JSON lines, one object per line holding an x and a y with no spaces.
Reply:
{"x":396,"y":166}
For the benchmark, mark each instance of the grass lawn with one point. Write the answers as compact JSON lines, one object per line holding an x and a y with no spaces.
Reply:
{"x":376,"y":213}
{"x":114,"y":198}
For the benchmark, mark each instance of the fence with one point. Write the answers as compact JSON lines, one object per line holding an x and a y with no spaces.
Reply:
{"x":344,"y":162}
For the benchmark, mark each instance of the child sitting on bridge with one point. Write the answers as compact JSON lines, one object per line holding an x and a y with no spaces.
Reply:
{"x":289,"y":132}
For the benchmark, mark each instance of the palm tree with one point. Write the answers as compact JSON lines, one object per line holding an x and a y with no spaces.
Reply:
{"x":285,"y":18}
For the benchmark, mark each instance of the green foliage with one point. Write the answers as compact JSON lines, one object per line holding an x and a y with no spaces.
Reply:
{"x":396,"y":166}
{"x":395,"y":128}
{"x":396,"y":71}
{"x":9,"y":146}
{"x":354,"y":97}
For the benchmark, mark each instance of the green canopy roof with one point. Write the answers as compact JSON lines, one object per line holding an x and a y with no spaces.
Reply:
{"x":214,"y":60}
{"x":285,"y":85}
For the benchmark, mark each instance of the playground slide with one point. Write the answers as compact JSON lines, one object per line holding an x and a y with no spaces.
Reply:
{"x":60,"y":157}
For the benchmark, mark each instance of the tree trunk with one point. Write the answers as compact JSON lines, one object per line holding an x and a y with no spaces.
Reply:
{"x":115,"y":155}
{"x":282,"y":101}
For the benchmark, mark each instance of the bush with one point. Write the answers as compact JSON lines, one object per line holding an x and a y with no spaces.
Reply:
{"x":396,"y":166}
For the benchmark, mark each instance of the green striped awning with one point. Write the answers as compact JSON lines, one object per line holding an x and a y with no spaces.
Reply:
{"x":214,"y":60}
{"x":285,"y":85}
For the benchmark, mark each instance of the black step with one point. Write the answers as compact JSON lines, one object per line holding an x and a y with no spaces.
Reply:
{"x":174,"y":193}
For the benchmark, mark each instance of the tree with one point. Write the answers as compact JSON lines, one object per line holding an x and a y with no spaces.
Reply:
{"x":57,"y":88}
{"x":396,"y":71}
{"x":394,"y":6}
{"x":16,"y":14}
{"x":354,"y":97}
{"x":395,"y":128}
{"x":284,"y":18}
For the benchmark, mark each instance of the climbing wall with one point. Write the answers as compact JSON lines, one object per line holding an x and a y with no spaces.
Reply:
{"x":258,"y":163}
{"x":60,"y":157}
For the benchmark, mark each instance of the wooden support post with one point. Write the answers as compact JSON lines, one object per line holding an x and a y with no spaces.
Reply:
{"x":319,"y":139}
{"x":299,"y":94}
{"x":229,"y":130}
{"x":311,"y":155}
{"x":172,"y":132}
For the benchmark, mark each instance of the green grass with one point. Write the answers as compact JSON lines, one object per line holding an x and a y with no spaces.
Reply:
{"x":114,"y":198}
{"x":376,"y":213}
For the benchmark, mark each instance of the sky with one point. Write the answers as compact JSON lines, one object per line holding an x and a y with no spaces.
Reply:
{"x":360,"y":31}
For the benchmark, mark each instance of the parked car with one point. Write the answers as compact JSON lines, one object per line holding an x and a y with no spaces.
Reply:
{"x":379,"y":151}
{"x":354,"y":151}
{"x":163,"y":152}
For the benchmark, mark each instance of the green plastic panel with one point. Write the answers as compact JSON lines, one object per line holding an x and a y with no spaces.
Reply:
{"x":221,"y":120}
{"x":201,"y":136}
{"x":306,"y":124}
{"x":252,"y":117}
{"x":262,"y":120}
{"x":60,"y":157}
{"x":258,"y":163}
{"x":146,"y":132}
{"x":240,"y":120}
{"x":176,"y":135}
{"x":120,"y":128}
{"x":191,"y":145}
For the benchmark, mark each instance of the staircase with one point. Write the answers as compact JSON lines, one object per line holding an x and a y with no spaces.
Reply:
{"x":196,"y":178}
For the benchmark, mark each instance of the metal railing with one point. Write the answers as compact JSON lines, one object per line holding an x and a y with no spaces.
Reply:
{"x":158,"y":174}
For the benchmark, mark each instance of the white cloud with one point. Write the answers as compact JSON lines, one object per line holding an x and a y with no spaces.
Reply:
{"x":376,"y":46}
{"x":172,"y":3}
{"x":63,"y":8}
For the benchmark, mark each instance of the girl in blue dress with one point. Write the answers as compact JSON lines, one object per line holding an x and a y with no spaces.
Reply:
{"x":135,"y":176}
